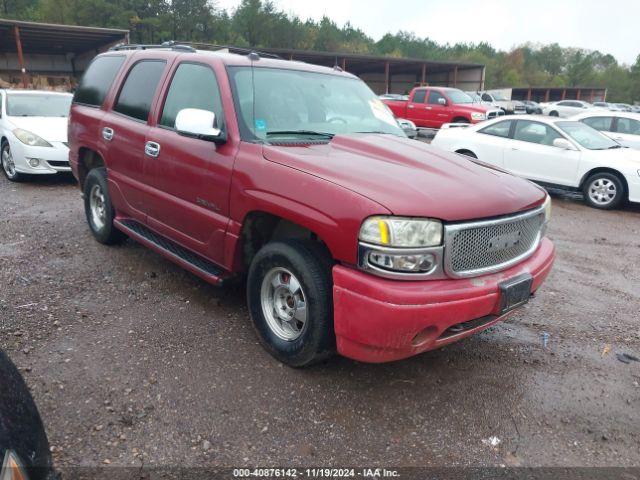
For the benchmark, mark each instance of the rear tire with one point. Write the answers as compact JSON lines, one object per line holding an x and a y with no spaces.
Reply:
{"x":461,"y":120}
{"x":99,"y":209}
{"x":8,"y":165}
{"x":290,"y":298}
{"x":604,"y":191}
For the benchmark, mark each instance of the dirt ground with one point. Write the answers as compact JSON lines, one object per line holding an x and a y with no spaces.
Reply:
{"x":133,"y":360}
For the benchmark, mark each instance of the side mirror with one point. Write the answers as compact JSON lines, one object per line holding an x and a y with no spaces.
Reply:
{"x":442,"y":101}
{"x":198,"y":123}
{"x":563,"y":143}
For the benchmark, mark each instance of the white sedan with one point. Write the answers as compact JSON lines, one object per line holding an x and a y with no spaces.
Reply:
{"x":622,"y":127}
{"x":554,"y":152}
{"x":33,"y":133}
{"x":565,"y":108}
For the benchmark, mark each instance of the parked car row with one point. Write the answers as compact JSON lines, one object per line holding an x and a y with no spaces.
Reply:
{"x":566,"y":153}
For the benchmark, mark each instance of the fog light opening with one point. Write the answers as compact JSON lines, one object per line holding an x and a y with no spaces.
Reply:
{"x":425,"y":336}
{"x":34,"y":162}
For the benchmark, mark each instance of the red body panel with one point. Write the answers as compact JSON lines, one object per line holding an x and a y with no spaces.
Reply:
{"x":198,"y":194}
{"x":433,"y":115}
{"x":377,"y":320}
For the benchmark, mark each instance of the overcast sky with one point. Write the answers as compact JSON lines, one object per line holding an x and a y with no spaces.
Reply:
{"x":611,"y":26}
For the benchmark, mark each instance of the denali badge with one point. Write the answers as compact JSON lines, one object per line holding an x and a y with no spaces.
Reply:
{"x":504,"y":241}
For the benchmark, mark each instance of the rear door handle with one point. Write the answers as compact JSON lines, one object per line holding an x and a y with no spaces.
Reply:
{"x":152,"y":149}
{"x":107,"y":133}
{"x":410,"y":106}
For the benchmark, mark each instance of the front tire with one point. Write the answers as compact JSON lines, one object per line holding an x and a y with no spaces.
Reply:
{"x":604,"y":191}
{"x":289,"y":293}
{"x":554,"y":114}
{"x":99,"y":209}
{"x":8,"y":164}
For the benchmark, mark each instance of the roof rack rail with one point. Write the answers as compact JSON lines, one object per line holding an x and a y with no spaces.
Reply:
{"x":171,"y":44}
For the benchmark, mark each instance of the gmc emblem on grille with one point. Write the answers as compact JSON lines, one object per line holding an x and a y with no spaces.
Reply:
{"x":504,"y":241}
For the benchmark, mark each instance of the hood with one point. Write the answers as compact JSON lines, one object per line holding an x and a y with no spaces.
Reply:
{"x":411,"y":178}
{"x":52,"y":129}
{"x":474,"y":107}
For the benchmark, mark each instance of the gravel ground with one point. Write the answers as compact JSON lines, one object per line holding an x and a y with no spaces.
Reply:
{"x":133,"y":360}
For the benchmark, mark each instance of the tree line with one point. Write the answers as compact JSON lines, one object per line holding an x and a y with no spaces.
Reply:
{"x":256,"y":23}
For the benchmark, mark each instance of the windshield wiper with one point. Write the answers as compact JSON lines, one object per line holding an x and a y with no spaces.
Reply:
{"x":301,"y":132}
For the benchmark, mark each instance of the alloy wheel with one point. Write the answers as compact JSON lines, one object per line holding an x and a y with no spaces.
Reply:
{"x":283,"y":304}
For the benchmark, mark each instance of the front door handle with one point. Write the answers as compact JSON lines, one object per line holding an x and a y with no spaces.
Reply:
{"x":152,"y":149}
{"x":410,"y":106}
{"x":428,"y":108}
{"x":107,"y":133}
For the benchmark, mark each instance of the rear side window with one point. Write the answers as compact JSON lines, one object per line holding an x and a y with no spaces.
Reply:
{"x":500,"y":129}
{"x":629,"y":126}
{"x":599,"y":123}
{"x":139,"y":88}
{"x":97,"y":80}
{"x":418,"y":97}
{"x":193,"y":86}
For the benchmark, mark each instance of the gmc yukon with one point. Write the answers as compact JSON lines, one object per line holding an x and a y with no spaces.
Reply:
{"x":352,"y":238}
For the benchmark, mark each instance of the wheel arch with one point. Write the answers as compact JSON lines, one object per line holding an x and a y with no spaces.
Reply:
{"x":612,"y":171}
{"x":260,"y":227}
{"x":88,"y":159}
{"x":466,"y":151}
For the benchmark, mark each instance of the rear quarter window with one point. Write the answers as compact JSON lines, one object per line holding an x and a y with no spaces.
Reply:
{"x":97,"y":80}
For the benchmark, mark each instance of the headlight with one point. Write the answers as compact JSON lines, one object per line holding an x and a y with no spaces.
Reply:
{"x":478,"y":116}
{"x":30,"y":139}
{"x":401,"y":232}
{"x":547,"y":209}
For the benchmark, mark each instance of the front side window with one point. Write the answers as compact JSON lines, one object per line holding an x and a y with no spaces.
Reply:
{"x":628,"y":126}
{"x":535,"y":132}
{"x":296,"y":104}
{"x":459,"y":97}
{"x":499,"y":129}
{"x":97,"y":80}
{"x":139,"y":88}
{"x":193,"y":86}
{"x":586,"y":136}
{"x":419,"y":96}
{"x":599,"y":123}
{"x":38,"y":105}
{"x":434,"y":97}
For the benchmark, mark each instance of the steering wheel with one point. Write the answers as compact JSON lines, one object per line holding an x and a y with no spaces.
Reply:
{"x":338,"y":120}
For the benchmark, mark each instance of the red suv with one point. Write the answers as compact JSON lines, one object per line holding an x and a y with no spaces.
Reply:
{"x":352,"y":237}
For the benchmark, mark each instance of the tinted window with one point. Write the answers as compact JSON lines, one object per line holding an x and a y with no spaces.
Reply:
{"x":628,"y":125}
{"x":599,"y":123}
{"x":500,"y":129}
{"x":434,"y":96}
{"x":98,"y":79}
{"x":535,"y":132}
{"x":137,"y":92}
{"x":565,"y":104}
{"x":192,"y":86}
{"x":418,"y":96}
{"x":486,"y":97}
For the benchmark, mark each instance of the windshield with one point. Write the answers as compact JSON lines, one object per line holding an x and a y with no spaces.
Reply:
{"x":297,"y":104}
{"x":499,"y":97}
{"x":26,"y":105}
{"x":458,"y":96}
{"x":586,"y":136}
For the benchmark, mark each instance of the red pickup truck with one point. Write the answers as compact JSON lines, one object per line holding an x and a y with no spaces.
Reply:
{"x":352,"y":237}
{"x":431,"y":107}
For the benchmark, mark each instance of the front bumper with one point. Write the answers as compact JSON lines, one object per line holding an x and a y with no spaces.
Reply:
{"x":379,"y":320}
{"x":51,"y":159}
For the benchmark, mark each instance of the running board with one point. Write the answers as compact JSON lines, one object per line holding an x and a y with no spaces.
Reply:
{"x":193,"y":262}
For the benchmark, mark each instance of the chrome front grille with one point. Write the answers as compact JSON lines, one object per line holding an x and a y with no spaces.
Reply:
{"x":482,"y":247}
